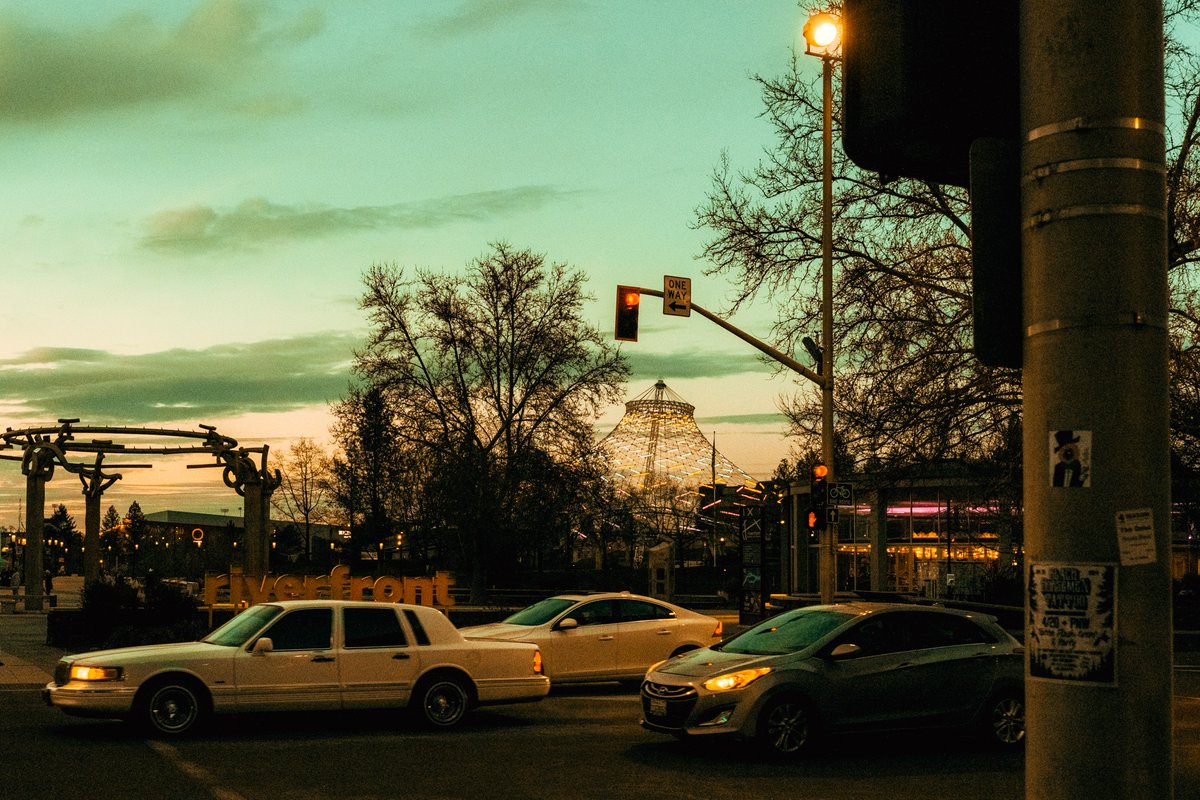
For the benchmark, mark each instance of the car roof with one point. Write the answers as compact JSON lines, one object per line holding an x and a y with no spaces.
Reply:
{"x":606,"y":596}
{"x":342,"y":604}
{"x":863,"y":607}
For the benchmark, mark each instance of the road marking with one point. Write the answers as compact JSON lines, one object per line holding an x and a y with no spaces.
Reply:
{"x":194,"y":771}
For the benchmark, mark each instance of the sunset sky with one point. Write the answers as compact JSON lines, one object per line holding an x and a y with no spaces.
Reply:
{"x":193,"y":191}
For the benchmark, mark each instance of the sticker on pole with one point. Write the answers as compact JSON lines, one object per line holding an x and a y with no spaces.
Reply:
{"x":1071,"y":458}
{"x":1071,"y":631}
{"x":1135,"y":537}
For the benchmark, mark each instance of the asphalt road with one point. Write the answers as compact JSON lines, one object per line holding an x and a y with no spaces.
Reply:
{"x":579,"y":743}
{"x":575,"y":744}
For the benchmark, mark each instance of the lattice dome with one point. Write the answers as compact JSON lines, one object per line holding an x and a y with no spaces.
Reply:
{"x":658,"y":442}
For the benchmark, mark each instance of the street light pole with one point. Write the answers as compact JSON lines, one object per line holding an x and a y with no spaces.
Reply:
{"x":822,"y":34}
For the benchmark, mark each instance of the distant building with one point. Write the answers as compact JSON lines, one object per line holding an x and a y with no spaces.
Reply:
{"x":194,"y":526}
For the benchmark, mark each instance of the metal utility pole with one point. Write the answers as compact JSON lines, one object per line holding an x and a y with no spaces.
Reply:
{"x":1097,"y":481}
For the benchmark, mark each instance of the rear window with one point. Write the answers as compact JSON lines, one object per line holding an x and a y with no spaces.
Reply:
{"x":418,"y":629}
{"x":373,"y":627}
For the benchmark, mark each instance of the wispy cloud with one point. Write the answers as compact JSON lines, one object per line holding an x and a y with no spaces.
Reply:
{"x":691,"y":364}
{"x":473,"y":16}
{"x":100,"y":387}
{"x":51,"y":73}
{"x":199,"y":229}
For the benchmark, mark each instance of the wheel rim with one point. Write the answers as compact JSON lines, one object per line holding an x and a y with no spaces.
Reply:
{"x":1008,"y":720}
{"x":445,"y":703}
{"x":173,"y":709}
{"x":786,"y":729}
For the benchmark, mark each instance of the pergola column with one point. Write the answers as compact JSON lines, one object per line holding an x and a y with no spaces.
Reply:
{"x":38,"y":467}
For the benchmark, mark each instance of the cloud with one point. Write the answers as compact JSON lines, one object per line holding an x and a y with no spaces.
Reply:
{"x":474,"y":16}
{"x":52,"y":73}
{"x":199,"y":229}
{"x":103,"y":388}
{"x":776,"y":419}
{"x":691,"y":364}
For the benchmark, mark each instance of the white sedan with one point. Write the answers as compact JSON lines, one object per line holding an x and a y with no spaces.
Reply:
{"x":605,"y":636}
{"x":302,"y":655}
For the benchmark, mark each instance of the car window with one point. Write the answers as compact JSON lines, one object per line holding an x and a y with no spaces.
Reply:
{"x":787,"y":633}
{"x":632,"y":610}
{"x":303,"y":629}
{"x":373,"y":627}
{"x":541,"y":613}
{"x":418,"y":629}
{"x":947,"y":630}
{"x":597,"y":612}
{"x":880,"y":634}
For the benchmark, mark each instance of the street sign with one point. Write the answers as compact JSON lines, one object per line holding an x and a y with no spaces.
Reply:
{"x":831,"y":516}
{"x":677,"y":296}
{"x":841,"y":494}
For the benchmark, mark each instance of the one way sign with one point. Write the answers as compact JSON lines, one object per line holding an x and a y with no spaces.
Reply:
{"x":677,"y":296}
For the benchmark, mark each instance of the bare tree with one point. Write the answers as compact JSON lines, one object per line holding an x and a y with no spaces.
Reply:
{"x":495,"y":380}
{"x":908,"y":388}
{"x":303,"y":496}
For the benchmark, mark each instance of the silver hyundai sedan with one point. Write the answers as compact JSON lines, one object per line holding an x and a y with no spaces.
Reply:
{"x":849,"y":666}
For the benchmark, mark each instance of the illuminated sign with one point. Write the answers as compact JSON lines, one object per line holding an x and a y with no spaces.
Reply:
{"x":236,"y":588}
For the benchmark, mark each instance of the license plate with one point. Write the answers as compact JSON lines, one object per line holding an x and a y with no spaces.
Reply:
{"x":658,"y":707}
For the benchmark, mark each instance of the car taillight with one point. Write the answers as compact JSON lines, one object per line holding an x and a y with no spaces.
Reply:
{"x":719,"y":631}
{"x":537,"y":662}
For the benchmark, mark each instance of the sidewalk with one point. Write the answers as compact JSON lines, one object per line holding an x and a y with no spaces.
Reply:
{"x":25,"y":658}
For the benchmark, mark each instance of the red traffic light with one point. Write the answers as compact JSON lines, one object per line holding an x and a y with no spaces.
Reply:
{"x":628,"y":301}
{"x":820,"y":472}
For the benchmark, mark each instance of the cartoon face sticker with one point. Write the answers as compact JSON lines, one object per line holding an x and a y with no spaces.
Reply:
{"x":1070,"y":458}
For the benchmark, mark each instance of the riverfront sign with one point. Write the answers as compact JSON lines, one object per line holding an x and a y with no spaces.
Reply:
{"x":236,"y":588}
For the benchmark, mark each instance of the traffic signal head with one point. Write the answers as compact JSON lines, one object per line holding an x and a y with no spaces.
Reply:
{"x":818,"y":498}
{"x":628,"y":301}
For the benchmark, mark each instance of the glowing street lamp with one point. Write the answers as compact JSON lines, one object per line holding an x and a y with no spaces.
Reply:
{"x":822,"y":34}
{"x":823,"y":37}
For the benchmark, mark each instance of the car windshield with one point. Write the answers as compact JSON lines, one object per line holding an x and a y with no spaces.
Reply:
{"x":788,"y":632}
{"x":235,"y":632}
{"x":541,"y":613}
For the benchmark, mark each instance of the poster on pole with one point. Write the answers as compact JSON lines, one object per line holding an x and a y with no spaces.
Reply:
{"x":1072,"y":626}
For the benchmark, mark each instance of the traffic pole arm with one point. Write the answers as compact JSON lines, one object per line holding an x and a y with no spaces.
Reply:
{"x":762,"y":346}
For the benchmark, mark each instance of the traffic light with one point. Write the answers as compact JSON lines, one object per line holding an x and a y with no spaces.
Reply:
{"x":923,"y":79}
{"x":628,"y":301}
{"x":818,"y":498}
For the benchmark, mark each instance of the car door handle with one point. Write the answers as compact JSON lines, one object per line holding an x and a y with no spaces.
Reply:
{"x":322,"y":659}
{"x":605,"y":639}
{"x":664,"y":633}
{"x":401,"y":657}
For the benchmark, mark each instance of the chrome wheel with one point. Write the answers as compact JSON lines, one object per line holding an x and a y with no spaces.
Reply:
{"x":1006,"y":722}
{"x":172,"y":709}
{"x":443,"y":702}
{"x":786,"y":726}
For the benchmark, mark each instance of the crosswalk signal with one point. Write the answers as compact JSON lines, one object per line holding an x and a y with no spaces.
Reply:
{"x":818,"y":498}
{"x":628,"y":301}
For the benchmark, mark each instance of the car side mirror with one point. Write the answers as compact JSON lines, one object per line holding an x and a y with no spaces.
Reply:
{"x":847,"y":650}
{"x":568,"y":624}
{"x":262,"y":646}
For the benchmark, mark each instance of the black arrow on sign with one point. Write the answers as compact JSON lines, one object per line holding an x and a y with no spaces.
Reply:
{"x":676,"y":306}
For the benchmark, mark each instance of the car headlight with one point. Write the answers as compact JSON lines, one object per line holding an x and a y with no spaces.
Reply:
{"x":735,"y":680}
{"x":82,"y":673}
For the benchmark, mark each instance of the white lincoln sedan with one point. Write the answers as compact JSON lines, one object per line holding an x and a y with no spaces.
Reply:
{"x":302,"y":655}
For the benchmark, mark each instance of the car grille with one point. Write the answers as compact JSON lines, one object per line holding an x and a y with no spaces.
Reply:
{"x":667,"y":706}
{"x":669,"y":692}
{"x":62,"y":673}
